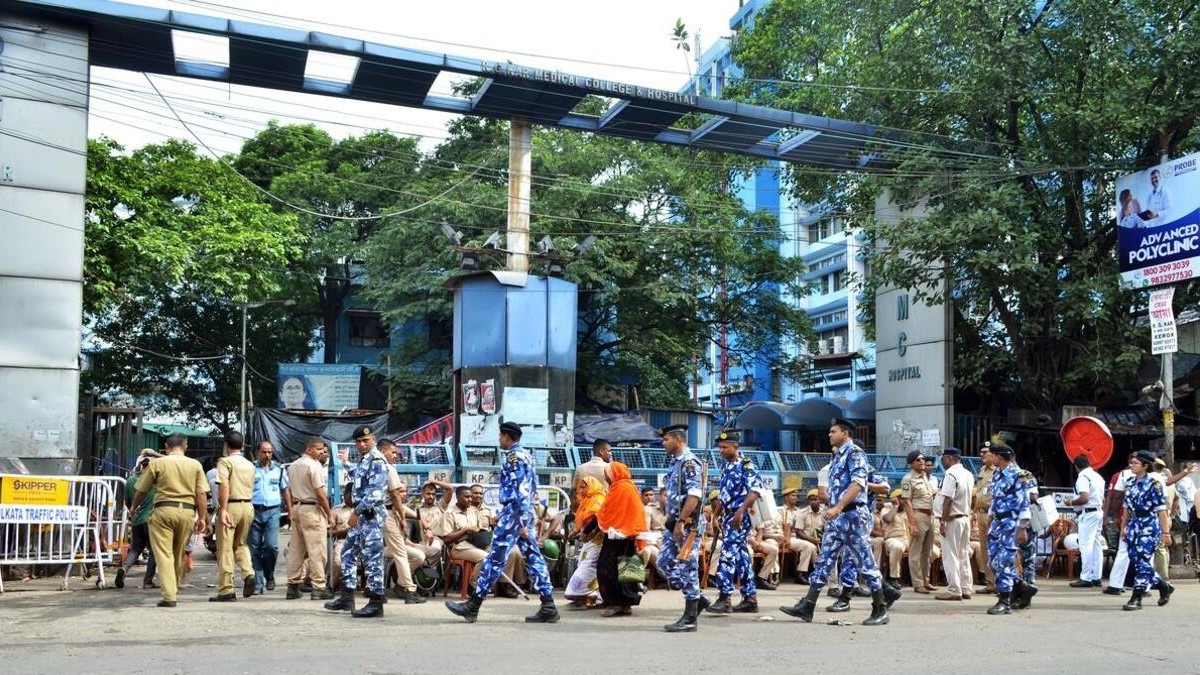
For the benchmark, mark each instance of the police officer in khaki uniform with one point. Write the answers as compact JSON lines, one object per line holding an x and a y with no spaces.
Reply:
{"x":395,"y":545}
{"x":180,"y":507}
{"x":981,"y":501}
{"x":463,"y":523}
{"x":916,"y":498}
{"x":656,"y":520}
{"x":432,"y":517}
{"x":312,"y":516}
{"x":235,"y":515}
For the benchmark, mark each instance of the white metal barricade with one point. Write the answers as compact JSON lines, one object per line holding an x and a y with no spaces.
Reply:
{"x":61,"y":520}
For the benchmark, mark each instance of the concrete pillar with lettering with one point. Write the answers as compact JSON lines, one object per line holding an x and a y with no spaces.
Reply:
{"x":43,"y":170}
{"x":913,"y":359}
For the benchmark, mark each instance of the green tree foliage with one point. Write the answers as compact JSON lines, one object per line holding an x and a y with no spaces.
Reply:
{"x":670,"y":237}
{"x":338,"y":190}
{"x":169,"y":232}
{"x":1028,"y":111}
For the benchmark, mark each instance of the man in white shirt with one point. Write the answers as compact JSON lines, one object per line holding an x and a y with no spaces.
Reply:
{"x":953,"y":504}
{"x":1159,"y":201}
{"x":1089,"y":491}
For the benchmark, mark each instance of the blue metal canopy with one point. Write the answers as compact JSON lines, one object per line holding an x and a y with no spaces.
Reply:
{"x":137,"y":38}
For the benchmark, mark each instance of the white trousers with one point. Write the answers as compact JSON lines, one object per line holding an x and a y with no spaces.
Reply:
{"x":1116,"y":576}
{"x":956,"y":555}
{"x":1091,"y":545}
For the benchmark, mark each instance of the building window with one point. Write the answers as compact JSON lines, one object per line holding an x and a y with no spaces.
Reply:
{"x":367,"y":330}
{"x":838,"y":280}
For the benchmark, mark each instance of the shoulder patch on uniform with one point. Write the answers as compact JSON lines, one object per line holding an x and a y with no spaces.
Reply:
{"x":510,"y":457}
{"x":689,"y":467}
{"x":747,"y":462}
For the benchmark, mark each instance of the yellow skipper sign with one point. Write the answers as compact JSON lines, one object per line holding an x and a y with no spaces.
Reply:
{"x":34,"y":490}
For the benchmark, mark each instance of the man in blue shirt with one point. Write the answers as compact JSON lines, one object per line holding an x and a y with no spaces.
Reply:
{"x":271,"y":498}
{"x":517,"y":526}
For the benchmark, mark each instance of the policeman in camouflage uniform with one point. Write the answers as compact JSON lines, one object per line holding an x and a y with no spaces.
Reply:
{"x":1028,"y":550}
{"x":848,"y":577}
{"x":739,"y":480}
{"x":517,"y":526}
{"x":848,"y":528}
{"x":369,"y":481}
{"x":1009,"y":514}
{"x":680,"y":566}
{"x":1145,"y":527}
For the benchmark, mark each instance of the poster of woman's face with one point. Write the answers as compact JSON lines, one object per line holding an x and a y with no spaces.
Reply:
{"x":295,"y":393}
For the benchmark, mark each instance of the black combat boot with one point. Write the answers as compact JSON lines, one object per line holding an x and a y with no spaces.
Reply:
{"x":373,"y":610}
{"x":344,"y":602}
{"x":293,"y":592}
{"x":804,"y":608}
{"x":879,"y":615}
{"x":842,"y":604}
{"x":687,"y":622}
{"x":1023,"y":593}
{"x":547,"y":613}
{"x":1003,"y":603}
{"x":467,"y":609}
{"x":890,"y":594}
{"x":1165,"y":589}
{"x":1135,"y":601}
{"x":721,"y":606}
{"x":748,"y":605}
{"x":413,"y":598}
{"x":703,"y":603}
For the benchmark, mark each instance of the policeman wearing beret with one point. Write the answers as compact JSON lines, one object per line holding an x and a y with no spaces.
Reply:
{"x":369,"y":486}
{"x":1009,"y":529}
{"x":737,"y":494}
{"x":517,"y":526}
{"x":848,"y":528}
{"x":679,"y":559}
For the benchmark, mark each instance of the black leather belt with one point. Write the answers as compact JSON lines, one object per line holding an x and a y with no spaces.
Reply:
{"x":303,"y":503}
{"x":1091,"y":510}
{"x":237,"y":501}
{"x":264,"y":507}
{"x":1142,"y":514}
{"x":1003,"y":514}
{"x":182,"y":505}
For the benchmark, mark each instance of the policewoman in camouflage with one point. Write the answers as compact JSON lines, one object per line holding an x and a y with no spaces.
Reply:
{"x":1028,"y":549}
{"x":1145,"y":527}
{"x":517,"y":526}
{"x":679,"y":558}
{"x":848,"y":528}
{"x":739,"y":480}
{"x":369,"y":485}
{"x":1009,"y":529}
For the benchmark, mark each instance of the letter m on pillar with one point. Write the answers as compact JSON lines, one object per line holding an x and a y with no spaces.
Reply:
{"x":902,"y":307}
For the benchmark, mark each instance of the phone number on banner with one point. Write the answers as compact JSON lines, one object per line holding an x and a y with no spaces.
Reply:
{"x":1169,"y":272}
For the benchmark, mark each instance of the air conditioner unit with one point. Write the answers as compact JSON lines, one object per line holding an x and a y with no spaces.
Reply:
{"x":839,"y":344}
{"x":826,"y":347}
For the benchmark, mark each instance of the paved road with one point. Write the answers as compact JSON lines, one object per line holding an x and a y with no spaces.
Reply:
{"x":120,"y":631}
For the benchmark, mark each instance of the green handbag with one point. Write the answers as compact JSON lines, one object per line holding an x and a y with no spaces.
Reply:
{"x":631,"y":569}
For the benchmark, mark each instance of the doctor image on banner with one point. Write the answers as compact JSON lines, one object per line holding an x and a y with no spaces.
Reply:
{"x":1158,"y":218}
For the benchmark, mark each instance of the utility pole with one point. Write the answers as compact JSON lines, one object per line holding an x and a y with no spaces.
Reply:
{"x":1168,"y":376}
{"x":520,"y":170}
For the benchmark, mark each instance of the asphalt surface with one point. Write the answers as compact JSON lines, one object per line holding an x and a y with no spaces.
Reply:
{"x":86,"y":630}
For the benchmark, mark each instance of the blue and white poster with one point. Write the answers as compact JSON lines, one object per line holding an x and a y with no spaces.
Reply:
{"x":1158,"y":223}
{"x":318,"y":386}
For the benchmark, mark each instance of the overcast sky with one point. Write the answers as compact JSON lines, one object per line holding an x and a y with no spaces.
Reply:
{"x":624,"y":40}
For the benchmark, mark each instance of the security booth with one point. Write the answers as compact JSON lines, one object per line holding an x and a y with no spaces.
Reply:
{"x":514,"y":361}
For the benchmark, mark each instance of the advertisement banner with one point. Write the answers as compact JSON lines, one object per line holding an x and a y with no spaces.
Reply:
{"x":1164,"y":335}
{"x":1158,"y":223}
{"x":318,"y":386}
{"x":34,"y":491}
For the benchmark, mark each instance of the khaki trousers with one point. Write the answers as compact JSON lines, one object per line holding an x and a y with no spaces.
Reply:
{"x":983,"y":524}
{"x":170,"y":529}
{"x":896,"y":546}
{"x":920,"y":550}
{"x":470,"y":554}
{"x":805,"y":552}
{"x":770,"y":564}
{"x":956,"y":555}
{"x":405,"y":555}
{"x":306,"y":550}
{"x":232,"y":548}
